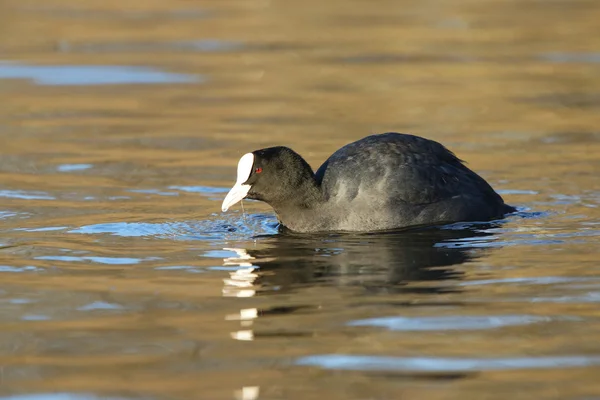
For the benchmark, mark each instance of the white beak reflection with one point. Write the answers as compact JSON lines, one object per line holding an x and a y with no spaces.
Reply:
{"x":241,"y":284}
{"x":247,"y":393}
{"x":241,"y":281}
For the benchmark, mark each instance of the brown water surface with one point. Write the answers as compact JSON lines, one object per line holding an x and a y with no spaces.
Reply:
{"x":121,"y":123}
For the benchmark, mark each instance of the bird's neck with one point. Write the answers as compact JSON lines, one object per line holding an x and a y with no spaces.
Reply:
{"x":300,"y":211}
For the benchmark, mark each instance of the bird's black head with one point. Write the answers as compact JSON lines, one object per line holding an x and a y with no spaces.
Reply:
{"x":275,"y":175}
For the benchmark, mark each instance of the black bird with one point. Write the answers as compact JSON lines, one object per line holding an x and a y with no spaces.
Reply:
{"x":381,"y":182}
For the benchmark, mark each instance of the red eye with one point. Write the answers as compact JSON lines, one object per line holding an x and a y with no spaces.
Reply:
{"x":258,"y":170}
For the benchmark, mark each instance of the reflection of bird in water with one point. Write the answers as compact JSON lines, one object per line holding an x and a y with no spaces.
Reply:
{"x":377,"y":262}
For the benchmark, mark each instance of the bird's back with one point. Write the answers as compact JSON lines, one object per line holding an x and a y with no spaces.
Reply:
{"x":405,"y":179}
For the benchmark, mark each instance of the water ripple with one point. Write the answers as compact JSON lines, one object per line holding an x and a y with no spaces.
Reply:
{"x":200,"y":189}
{"x":26,"y":195}
{"x":441,"y":364}
{"x":28,"y":268}
{"x":73,"y":75}
{"x":537,"y":280}
{"x":99,"y":260}
{"x":73,"y":167}
{"x":449,"y":322}
{"x":100,"y":305}
{"x":217,"y":229}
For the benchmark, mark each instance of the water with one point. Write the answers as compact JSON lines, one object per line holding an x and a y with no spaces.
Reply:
{"x":88,"y":75}
{"x":120,"y":129}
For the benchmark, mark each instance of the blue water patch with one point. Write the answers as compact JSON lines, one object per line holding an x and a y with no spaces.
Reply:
{"x":124,"y":229}
{"x":99,"y":260}
{"x":590,"y":297}
{"x":185,"y":268}
{"x":8,"y":214}
{"x":20,"y":301}
{"x":230,"y":268}
{"x":35,"y":317}
{"x":25,"y":195}
{"x":73,"y":75}
{"x":219,"y":254}
{"x":200,"y":189}
{"x":445,"y":323}
{"x":516,"y":191}
{"x":73,"y":167}
{"x":28,"y":268}
{"x":234,"y":227}
{"x":441,"y":364}
{"x":537,"y":280}
{"x":154,"y":191}
{"x":100,"y":305}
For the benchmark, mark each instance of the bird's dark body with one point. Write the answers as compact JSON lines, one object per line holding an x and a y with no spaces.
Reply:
{"x":380,"y":182}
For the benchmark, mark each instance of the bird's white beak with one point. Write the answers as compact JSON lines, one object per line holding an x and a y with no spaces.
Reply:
{"x":239,"y":190}
{"x":236,"y":194}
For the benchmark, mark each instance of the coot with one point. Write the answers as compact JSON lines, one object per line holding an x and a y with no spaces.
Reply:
{"x":381,"y":182}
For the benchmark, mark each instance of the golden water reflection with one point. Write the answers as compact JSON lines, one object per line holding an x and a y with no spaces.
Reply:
{"x":120,"y":127}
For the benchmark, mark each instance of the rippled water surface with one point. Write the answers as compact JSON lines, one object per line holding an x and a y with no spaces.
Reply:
{"x":120,"y":127}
